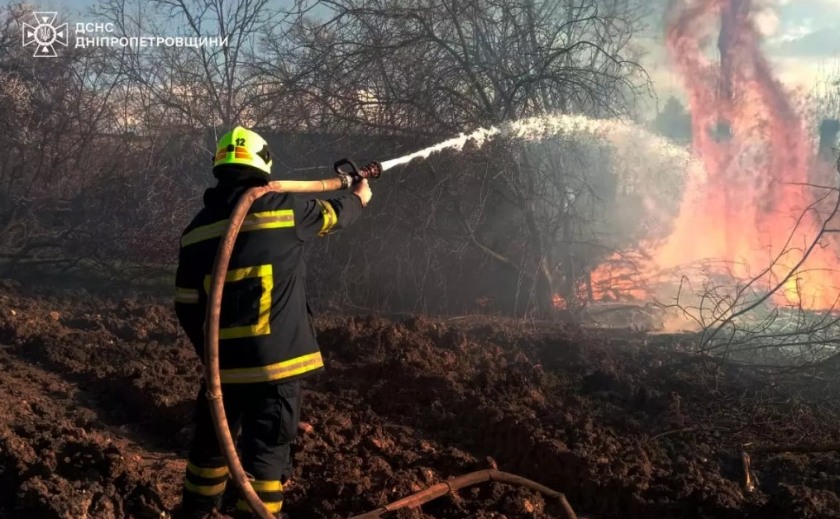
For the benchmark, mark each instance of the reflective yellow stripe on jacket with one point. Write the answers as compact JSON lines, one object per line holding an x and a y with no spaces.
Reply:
{"x":252,"y":222}
{"x":263,"y":325}
{"x":328,"y":215}
{"x":186,"y":295}
{"x":280,"y":370}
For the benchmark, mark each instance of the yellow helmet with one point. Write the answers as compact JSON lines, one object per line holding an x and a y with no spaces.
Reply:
{"x":243,"y":147}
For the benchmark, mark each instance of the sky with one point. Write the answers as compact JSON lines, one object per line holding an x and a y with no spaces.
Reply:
{"x":802,"y":40}
{"x":807,"y":41}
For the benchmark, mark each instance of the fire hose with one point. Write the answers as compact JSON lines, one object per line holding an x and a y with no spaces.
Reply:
{"x":347,"y":175}
{"x":473,"y":478}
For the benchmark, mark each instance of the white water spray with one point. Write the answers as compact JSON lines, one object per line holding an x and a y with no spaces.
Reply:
{"x":625,"y":134}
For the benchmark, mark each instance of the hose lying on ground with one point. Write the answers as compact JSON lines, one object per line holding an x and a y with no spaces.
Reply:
{"x":473,"y":478}
{"x":214,"y":386}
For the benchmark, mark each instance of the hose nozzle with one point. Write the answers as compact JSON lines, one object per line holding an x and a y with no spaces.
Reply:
{"x":372,"y":170}
{"x":350,"y":174}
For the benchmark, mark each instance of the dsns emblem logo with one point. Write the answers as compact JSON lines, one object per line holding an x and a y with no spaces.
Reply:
{"x":44,"y":34}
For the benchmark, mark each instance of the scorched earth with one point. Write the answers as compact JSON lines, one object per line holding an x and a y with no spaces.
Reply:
{"x":97,"y":393}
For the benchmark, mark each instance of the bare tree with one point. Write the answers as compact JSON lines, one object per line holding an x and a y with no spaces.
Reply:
{"x":57,"y":108}
{"x":379,"y":77}
{"x":435,"y":67}
{"x":218,"y":84}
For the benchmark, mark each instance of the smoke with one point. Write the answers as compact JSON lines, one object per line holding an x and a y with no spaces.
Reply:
{"x":766,"y":21}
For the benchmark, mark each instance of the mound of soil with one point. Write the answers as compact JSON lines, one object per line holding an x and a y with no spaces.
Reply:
{"x":98,"y":396}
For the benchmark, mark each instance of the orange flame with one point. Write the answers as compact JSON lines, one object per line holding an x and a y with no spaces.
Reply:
{"x":757,"y":201}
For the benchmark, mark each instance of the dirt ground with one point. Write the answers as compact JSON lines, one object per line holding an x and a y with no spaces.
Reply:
{"x":97,"y":392}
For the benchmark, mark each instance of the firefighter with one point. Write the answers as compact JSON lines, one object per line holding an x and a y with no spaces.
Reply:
{"x":267,"y":339}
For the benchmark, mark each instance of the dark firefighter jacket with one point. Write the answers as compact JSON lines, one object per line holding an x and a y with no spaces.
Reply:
{"x":266,"y":332}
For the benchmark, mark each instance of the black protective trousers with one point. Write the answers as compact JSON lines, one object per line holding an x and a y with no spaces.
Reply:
{"x":267,"y":414}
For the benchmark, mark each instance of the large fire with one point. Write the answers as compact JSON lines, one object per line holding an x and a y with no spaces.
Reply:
{"x":750,"y":213}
